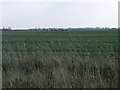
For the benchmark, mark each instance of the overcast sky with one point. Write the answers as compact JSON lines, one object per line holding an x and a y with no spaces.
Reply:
{"x":77,"y":13}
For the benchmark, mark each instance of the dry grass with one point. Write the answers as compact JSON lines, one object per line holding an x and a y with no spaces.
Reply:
{"x":51,"y":61}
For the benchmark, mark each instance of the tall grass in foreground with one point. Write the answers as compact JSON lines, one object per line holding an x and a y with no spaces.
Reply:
{"x":83,"y":59}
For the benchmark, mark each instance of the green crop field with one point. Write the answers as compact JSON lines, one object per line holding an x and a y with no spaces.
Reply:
{"x":60,"y":59}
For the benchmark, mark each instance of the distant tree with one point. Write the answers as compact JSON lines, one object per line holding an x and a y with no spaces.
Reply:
{"x":7,"y":29}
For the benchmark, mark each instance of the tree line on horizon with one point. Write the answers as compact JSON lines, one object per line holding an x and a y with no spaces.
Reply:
{"x":55,"y":29}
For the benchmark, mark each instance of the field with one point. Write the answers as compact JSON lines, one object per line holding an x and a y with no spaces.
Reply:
{"x":60,"y":59}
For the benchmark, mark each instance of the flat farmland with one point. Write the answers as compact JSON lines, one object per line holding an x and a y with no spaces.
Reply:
{"x":60,"y":59}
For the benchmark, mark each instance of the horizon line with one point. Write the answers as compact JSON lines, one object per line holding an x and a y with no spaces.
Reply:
{"x":57,"y":27}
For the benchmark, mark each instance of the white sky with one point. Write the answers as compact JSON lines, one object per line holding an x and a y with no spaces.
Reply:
{"x":58,"y":13}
